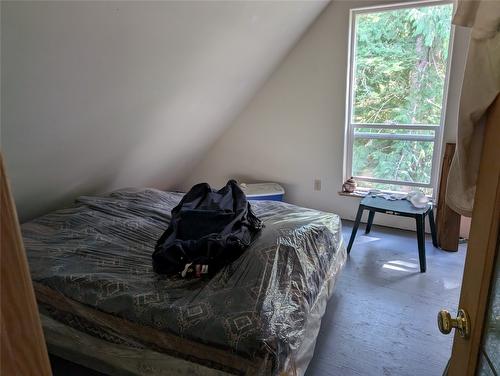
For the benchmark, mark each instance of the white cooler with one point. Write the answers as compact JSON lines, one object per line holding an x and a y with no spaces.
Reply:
{"x":263,"y":191}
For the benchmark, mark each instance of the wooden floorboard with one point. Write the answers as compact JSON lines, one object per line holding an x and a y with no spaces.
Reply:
{"x":381,"y":319}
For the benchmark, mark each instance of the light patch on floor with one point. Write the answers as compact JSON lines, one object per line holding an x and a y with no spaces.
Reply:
{"x":401,"y":266}
{"x":450,"y":284}
{"x":398,"y":268}
{"x":365,"y":239}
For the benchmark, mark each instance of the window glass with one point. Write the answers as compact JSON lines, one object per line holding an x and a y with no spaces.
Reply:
{"x":398,"y":69}
{"x":491,"y":333}
{"x":398,"y":188}
{"x":396,"y":160}
{"x":400,"y":65}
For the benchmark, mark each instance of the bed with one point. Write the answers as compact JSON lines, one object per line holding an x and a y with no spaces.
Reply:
{"x":102,"y":305}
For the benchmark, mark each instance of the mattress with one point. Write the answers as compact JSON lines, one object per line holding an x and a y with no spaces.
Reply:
{"x":92,"y":273}
{"x":119,"y":360}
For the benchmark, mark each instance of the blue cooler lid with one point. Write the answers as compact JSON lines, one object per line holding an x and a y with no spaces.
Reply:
{"x":262,"y":189}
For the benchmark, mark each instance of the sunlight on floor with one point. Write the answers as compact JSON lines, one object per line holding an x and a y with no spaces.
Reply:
{"x":402,"y":266}
{"x":366,"y":239}
{"x":451,"y":284}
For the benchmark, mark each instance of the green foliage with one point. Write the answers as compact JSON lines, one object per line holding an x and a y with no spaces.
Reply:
{"x":400,"y":68}
{"x":409,"y":161}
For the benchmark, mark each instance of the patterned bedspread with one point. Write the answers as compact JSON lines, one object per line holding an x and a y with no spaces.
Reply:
{"x":96,"y":257}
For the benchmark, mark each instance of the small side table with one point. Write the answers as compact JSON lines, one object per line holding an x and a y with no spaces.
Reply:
{"x":397,"y":207}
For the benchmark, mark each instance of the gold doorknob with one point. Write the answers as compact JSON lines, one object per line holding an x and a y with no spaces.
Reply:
{"x":461,"y":323}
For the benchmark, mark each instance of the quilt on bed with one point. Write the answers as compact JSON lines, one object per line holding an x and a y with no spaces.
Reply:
{"x":91,"y":266}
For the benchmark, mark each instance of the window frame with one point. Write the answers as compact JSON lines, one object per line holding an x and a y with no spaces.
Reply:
{"x":350,"y":126}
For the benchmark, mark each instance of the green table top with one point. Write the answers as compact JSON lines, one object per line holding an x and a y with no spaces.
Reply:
{"x":402,"y":206}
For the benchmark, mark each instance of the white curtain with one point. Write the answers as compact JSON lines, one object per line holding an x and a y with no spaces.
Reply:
{"x":480,"y":87}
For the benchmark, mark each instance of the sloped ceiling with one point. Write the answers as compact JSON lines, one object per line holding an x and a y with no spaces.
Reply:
{"x":101,"y":95}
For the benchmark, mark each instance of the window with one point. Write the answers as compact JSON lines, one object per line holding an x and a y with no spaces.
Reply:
{"x":397,"y":84}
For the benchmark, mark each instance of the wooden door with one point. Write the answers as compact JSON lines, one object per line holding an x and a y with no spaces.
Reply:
{"x":22,"y":346}
{"x":481,"y":251}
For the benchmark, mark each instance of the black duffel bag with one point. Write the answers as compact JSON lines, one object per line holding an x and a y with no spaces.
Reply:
{"x":208,"y":230}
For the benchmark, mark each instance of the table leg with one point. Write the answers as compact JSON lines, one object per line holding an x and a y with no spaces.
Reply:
{"x":355,"y":228}
{"x":432,"y":224}
{"x":370,"y":222}
{"x":421,"y":241}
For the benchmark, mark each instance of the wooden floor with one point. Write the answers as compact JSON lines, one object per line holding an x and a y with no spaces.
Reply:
{"x":381,"y":319}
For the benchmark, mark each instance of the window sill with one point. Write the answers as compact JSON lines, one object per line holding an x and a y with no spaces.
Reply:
{"x":361,"y":194}
{"x":355,"y":194}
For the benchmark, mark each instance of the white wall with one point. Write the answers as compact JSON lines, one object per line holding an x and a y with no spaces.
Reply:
{"x":100,"y":95}
{"x":292,"y":131}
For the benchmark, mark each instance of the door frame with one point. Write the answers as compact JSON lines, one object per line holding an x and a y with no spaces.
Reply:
{"x":481,"y":250}
{"x":22,"y":343}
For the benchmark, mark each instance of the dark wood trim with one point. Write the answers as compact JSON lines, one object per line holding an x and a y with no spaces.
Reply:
{"x":447,"y":221}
